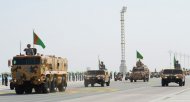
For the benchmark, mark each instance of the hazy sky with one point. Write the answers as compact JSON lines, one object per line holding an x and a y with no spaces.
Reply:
{"x":80,"y":30}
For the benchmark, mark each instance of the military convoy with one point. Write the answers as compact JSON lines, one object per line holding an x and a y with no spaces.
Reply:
{"x":140,"y":72}
{"x":42,"y":73}
{"x":48,"y":73}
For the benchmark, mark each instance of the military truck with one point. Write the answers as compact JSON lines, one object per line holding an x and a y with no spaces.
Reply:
{"x":97,"y":76}
{"x":173,"y":75}
{"x":42,"y":73}
{"x":140,"y":72}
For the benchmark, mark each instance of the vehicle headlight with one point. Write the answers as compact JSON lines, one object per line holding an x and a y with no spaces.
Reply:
{"x":177,"y":77}
{"x":165,"y":77}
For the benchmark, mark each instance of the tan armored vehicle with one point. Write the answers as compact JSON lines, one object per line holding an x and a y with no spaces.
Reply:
{"x":173,"y":75}
{"x":96,"y":76}
{"x":140,"y":72}
{"x":43,"y":73}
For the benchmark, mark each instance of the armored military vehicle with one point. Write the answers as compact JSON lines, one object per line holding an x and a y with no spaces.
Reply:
{"x":140,"y":72}
{"x":155,"y":74}
{"x":43,"y":73}
{"x":119,"y":77}
{"x":172,"y":75}
{"x":96,"y":76}
{"x":127,"y":76}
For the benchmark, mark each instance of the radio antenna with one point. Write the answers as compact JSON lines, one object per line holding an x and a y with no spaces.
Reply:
{"x":20,"y":47}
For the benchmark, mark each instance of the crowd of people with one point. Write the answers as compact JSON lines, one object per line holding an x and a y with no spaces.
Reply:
{"x":79,"y":76}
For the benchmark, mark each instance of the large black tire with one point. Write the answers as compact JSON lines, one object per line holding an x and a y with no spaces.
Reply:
{"x":12,"y":86}
{"x":108,"y":83}
{"x":184,"y":83}
{"x":63,"y":85}
{"x":144,"y":79}
{"x":102,"y":84}
{"x":53,"y":85}
{"x":46,"y":86}
{"x":163,"y":82}
{"x":19,"y":89}
{"x":135,"y":80}
{"x":167,"y":84}
{"x":147,"y":79}
{"x":92,"y":84}
{"x":180,"y":83}
{"x":85,"y":84}
{"x":131,"y":80}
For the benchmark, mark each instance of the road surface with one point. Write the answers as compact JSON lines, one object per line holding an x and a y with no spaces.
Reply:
{"x":123,"y":91}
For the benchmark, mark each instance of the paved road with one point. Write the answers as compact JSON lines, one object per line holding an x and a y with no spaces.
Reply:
{"x":118,"y":91}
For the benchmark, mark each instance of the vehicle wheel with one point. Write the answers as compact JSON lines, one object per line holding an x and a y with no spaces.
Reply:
{"x":184,"y":83}
{"x":46,"y":86}
{"x":167,"y":84}
{"x":180,"y":83}
{"x":131,"y":80}
{"x":163,"y":82}
{"x":147,"y":80}
{"x":19,"y":89}
{"x":144,"y":79}
{"x":135,"y":80}
{"x":63,"y":85}
{"x":12,"y":86}
{"x":102,"y":84}
{"x":115,"y":79}
{"x":85,"y":84}
{"x":108,"y":83}
{"x":53,"y":85}
{"x":92,"y":85}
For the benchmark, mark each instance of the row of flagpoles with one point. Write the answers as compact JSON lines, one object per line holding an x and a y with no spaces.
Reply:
{"x":182,"y":59}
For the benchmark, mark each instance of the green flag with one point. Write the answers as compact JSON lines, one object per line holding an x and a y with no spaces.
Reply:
{"x":139,"y":55}
{"x":38,"y":41}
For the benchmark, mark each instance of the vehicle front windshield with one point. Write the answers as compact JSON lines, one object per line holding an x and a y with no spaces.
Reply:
{"x":172,"y":72}
{"x":139,"y":69}
{"x":26,"y":60}
{"x":95,"y":72}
